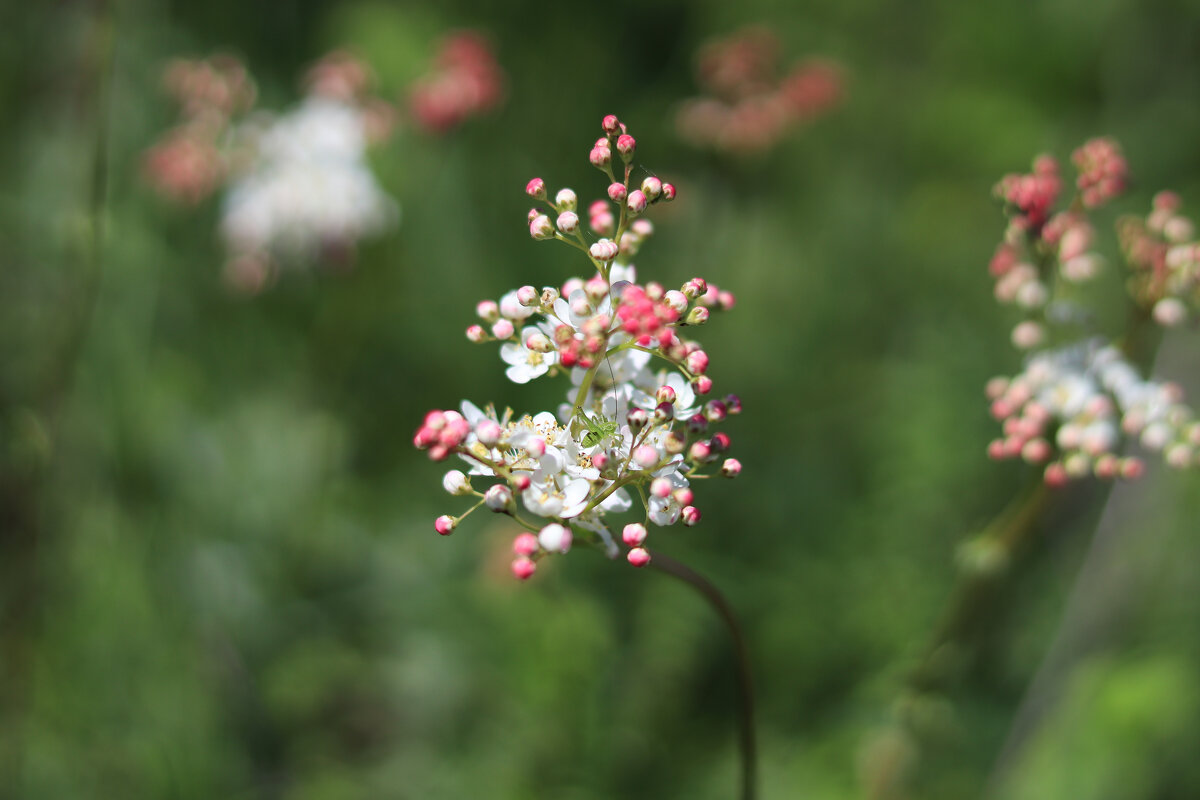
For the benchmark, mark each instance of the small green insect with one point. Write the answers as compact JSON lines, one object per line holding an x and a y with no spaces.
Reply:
{"x":598,"y":429}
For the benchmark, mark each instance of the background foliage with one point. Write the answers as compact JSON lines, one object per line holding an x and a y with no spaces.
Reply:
{"x":220,"y":577}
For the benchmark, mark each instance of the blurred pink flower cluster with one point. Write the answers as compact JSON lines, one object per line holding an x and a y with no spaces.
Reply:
{"x":464,"y":81}
{"x":1082,"y":394}
{"x":746,"y":106}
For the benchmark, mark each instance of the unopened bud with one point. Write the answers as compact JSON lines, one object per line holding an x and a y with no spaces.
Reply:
{"x":661,"y":488}
{"x":520,"y":481}
{"x":731,"y":468}
{"x":638,"y":557}
{"x":697,"y":316}
{"x":488,"y":432}
{"x":700,"y":451}
{"x":445,"y":525}
{"x":610,"y":124}
{"x":565,"y":200}
{"x":523,"y":567}
{"x":702,"y":384}
{"x":665,"y":394}
{"x":697,"y":362}
{"x":525,"y":544}
{"x":476,"y":334}
{"x":568,"y":222}
{"x":626,"y":145}
{"x":690,"y":516}
{"x":604,"y":250}
{"x":633,"y":534}
{"x":668,"y":192}
{"x":652,"y":188}
{"x":664,"y":412}
{"x":636,"y":202}
{"x":541,"y":228}
{"x":617,"y":193}
{"x":498,"y":497}
{"x":502,"y":329}
{"x":600,"y":157}
{"x":555,"y":538}
{"x":455,"y":482}
{"x":674,"y":443}
{"x":536,"y":189}
{"x":637,"y":419}
{"x":645,"y":456}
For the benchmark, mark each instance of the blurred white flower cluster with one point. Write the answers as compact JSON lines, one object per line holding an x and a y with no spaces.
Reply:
{"x":1079,"y":397}
{"x":627,"y":432}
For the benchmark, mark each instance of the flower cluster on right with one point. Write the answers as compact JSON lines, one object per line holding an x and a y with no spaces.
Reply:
{"x":1081,"y":395}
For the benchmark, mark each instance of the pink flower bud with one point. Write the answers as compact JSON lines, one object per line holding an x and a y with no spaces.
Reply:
{"x":697,"y":362}
{"x":731,"y":468}
{"x":626,"y":145}
{"x":664,"y":412}
{"x":634,"y":534}
{"x":720,"y":442}
{"x":536,"y":189}
{"x":1055,"y":475}
{"x":683,"y":496}
{"x":697,"y":316}
{"x":726,"y":300}
{"x":536,"y":447}
{"x":523,"y":567}
{"x":652,"y":188}
{"x":700,"y":451}
{"x":733,"y":404}
{"x":568,"y":222}
{"x":665,"y":394}
{"x":555,"y":538}
{"x":503,"y":329}
{"x":476,"y":334}
{"x":1132,"y":468}
{"x":714,"y":411}
{"x":455,"y":482}
{"x":638,"y":556}
{"x":603,"y":224}
{"x":617,"y":192}
{"x":611,"y":124}
{"x":1036,"y":451}
{"x":445,"y":525}
{"x":435,"y":420}
{"x":528,"y":296}
{"x":541,"y":228}
{"x":520,"y":481}
{"x":439,"y":452}
{"x":661,"y":488}
{"x":604,"y":250}
{"x":565,"y":200}
{"x":539,"y":342}
{"x":488,"y":432}
{"x":600,"y":157}
{"x":487,"y":310}
{"x":601,"y":460}
{"x":697,"y":423}
{"x":668,"y":192}
{"x":690,"y":516}
{"x":526,"y":544}
{"x":637,"y":418}
{"x":498,"y":497}
{"x":645,"y":456}
{"x":636,"y":202}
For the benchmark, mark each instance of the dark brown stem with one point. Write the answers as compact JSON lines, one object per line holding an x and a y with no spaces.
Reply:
{"x":748,"y":748}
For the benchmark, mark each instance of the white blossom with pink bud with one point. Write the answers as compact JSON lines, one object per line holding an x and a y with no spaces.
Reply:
{"x":626,"y":431}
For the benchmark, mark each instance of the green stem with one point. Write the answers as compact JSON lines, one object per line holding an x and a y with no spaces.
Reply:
{"x":746,"y":739}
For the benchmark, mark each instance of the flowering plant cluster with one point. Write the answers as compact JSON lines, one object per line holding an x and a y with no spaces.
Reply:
{"x":1080,"y":394}
{"x":746,"y":107}
{"x":626,"y":429}
{"x":298,"y":188}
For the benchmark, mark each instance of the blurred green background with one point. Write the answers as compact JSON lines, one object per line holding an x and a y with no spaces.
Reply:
{"x":219,"y":573}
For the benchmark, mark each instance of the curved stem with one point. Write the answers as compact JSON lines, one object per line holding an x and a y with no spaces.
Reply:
{"x":712,"y":594}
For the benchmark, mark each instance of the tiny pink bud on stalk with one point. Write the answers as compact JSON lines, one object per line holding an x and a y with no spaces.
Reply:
{"x":731,"y":468}
{"x":638,"y":557}
{"x":652,"y":187}
{"x":661,"y":488}
{"x":697,"y":316}
{"x":636,"y":202}
{"x":488,"y":432}
{"x":565,"y":200}
{"x":526,"y":544}
{"x":476,"y":334}
{"x":665,"y":394}
{"x":645,"y":456}
{"x":637,"y":418}
{"x":498,"y":497}
{"x":600,"y":157}
{"x":527,"y":296}
{"x":664,"y":412}
{"x":487,"y":310}
{"x":523,"y":567}
{"x":567,"y":222}
{"x":541,"y":228}
{"x":626,"y":145}
{"x":700,"y":451}
{"x":520,"y":481}
{"x":690,"y":516}
{"x":683,"y":496}
{"x":555,"y":538}
{"x":455,"y":482}
{"x":634,"y":534}
{"x":617,"y":193}
{"x":445,"y":525}
{"x":668,"y":192}
{"x":611,"y":124}
{"x":502,"y":329}
{"x":697,"y":362}
{"x":604,"y":250}
{"x":536,"y":189}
